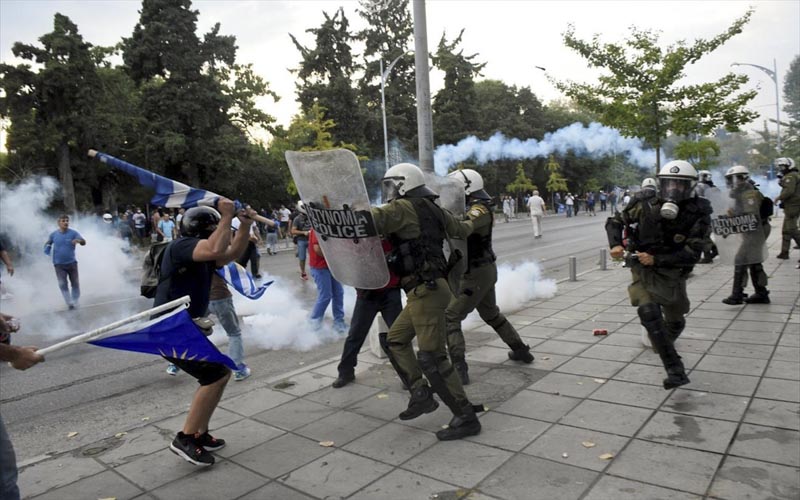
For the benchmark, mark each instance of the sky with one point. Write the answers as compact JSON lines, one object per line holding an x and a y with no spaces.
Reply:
{"x":511,"y":36}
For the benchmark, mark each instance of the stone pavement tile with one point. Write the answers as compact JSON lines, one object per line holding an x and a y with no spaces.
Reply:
{"x":783,"y":369}
{"x":546,"y":361}
{"x":331,"y":369}
{"x":336,"y":475}
{"x":250,"y":403}
{"x":565,"y":384}
{"x":773,"y":413}
{"x":755,"y":337}
{"x":760,"y":315}
{"x":606,"y":299}
{"x":404,"y":485}
{"x":539,"y":332}
{"x":741,"y":350}
{"x":56,"y":472}
{"x":155,"y":470}
{"x":583,"y":306}
{"x":221,"y":418}
{"x":136,"y":443}
{"x":612,"y":353}
{"x":697,"y":333}
{"x":617,"y":488}
{"x":775,"y":388}
{"x":723,"y":383}
{"x":632,"y":328}
{"x":296,"y":413}
{"x":385,"y":405}
{"x":573,"y":314}
{"x":281,"y":455}
{"x":538,"y":405}
{"x":784,"y":353}
{"x":392,"y":444}
{"x":697,"y":346}
{"x":588,"y":326}
{"x":730,"y":364}
{"x":706,"y":404}
{"x":790,"y":340}
{"x":497,"y":385}
{"x":584,"y":336}
{"x":303,"y":383}
{"x":641,"y":374}
{"x":561,"y":439}
{"x":244,"y":435}
{"x":430,"y":422}
{"x":508,"y":432}
{"x":648,"y":357}
{"x":488,"y":355}
{"x":615,"y":316}
{"x":533,"y":478}
{"x":104,"y":485}
{"x":275,"y":490}
{"x":607,"y":417}
{"x":552,"y":305}
{"x":552,"y":322}
{"x":743,"y":478}
{"x":690,"y":431}
{"x":559,"y":347}
{"x":623,"y":340}
{"x":519,"y":320}
{"x":500,"y":344}
{"x":591,"y":367}
{"x":535,"y":312}
{"x":756,"y":326}
{"x":224,"y":479}
{"x":344,"y":396}
{"x":631,"y":394}
{"x":664,"y":465}
{"x":702,"y":312}
{"x":341,"y":427}
{"x":462,"y":463}
{"x":767,"y":443}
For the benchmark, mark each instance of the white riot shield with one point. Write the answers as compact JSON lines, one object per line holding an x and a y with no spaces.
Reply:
{"x":451,"y":198}
{"x":736,"y":226}
{"x":332,"y":187}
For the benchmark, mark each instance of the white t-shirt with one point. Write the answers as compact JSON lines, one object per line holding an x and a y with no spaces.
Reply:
{"x":536,"y":205}
{"x":235,"y":223}
{"x":284,"y":213}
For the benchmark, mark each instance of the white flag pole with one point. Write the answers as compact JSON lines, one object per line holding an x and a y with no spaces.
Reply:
{"x":85,"y":337}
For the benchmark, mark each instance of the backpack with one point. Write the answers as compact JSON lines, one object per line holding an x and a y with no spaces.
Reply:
{"x":151,"y":269}
{"x":766,"y":209}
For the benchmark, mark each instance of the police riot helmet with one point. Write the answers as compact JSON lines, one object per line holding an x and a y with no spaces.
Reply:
{"x":676,"y":180}
{"x":473,"y":183}
{"x":784,"y":164}
{"x":704,"y":176}
{"x":736,"y":176}
{"x":404,"y":180}
{"x":649,"y":183}
{"x":301,"y":207}
{"x":199,"y":222}
{"x":107,"y":218}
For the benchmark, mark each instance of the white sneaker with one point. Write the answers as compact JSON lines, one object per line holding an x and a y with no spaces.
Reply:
{"x":172,"y":370}
{"x":242,"y":374}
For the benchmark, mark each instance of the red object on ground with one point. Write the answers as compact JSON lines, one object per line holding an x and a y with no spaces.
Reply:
{"x":600,"y":331}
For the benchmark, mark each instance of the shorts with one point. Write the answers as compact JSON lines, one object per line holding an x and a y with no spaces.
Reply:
{"x":206,"y":373}
{"x":302,"y":248}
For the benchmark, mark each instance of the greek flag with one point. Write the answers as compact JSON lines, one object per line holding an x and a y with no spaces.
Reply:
{"x":242,"y":281}
{"x":169,"y":193}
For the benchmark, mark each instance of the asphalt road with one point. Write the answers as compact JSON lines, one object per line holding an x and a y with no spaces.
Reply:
{"x":94,"y":391}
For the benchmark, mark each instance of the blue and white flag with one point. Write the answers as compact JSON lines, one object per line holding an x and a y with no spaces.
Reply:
{"x":173,"y":335}
{"x":242,"y":281}
{"x":169,"y":193}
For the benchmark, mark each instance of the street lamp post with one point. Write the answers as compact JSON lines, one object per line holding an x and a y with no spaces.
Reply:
{"x":772,"y":73}
{"x":384,"y":76}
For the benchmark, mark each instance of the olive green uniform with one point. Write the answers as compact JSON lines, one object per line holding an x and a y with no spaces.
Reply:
{"x":747,"y":201}
{"x":790,"y":197}
{"x":477,"y":289}
{"x":424,"y":313}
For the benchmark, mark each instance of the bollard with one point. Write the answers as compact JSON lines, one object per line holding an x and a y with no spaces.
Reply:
{"x":573,"y":268}
{"x":603,"y":259}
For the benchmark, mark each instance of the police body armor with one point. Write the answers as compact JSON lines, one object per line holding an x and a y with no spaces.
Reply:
{"x":422,"y":257}
{"x":479,"y":247}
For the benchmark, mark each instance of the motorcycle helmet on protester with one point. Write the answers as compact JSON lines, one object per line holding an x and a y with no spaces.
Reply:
{"x":736,"y":176}
{"x":301,"y":207}
{"x":473,"y":183}
{"x":200,"y":222}
{"x":404,"y":180}
{"x":676,"y":180}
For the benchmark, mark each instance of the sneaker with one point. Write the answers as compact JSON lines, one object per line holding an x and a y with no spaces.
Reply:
{"x":241,"y":374}
{"x":257,"y":276}
{"x":342,"y":380}
{"x":209,"y":442}
{"x":172,"y":370}
{"x":187,"y":448}
{"x":340,"y":327}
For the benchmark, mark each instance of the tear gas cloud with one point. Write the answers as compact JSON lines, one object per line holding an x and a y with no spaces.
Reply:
{"x":595,"y":141}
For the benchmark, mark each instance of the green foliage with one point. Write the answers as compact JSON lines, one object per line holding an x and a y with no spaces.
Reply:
{"x":641,"y":95}
{"x":791,"y":96}
{"x":555,"y":182}
{"x":516,"y":112}
{"x":521,"y":183}
{"x":701,"y":154}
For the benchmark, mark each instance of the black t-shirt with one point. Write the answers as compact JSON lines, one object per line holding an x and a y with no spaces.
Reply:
{"x":186,"y":277}
{"x":301,"y":223}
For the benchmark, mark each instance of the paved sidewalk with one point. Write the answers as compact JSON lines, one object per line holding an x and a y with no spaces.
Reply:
{"x":587,"y":420}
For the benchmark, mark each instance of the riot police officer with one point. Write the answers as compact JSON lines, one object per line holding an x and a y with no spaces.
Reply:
{"x":476,"y":289}
{"x":664,"y":247}
{"x":789,"y":198}
{"x":417,"y":228}
{"x":747,"y":201}
{"x":649,"y":189}
{"x":705,"y":188}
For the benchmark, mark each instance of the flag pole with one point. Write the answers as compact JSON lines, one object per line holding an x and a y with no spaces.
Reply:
{"x":85,"y":337}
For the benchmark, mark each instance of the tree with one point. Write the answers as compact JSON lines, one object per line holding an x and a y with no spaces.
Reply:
{"x":507,"y":109}
{"x":556,"y":182}
{"x":701,"y":154}
{"x":641,"y":96}
{"x":521,"y":183}
{"x":791,"y":95}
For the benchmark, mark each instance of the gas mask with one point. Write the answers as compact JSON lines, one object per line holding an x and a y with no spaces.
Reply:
{"x":673,"y":191}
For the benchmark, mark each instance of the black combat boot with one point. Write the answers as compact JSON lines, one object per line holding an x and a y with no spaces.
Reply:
{"x":421,"y":402}
{"x":460,"y":365}
{"x":760,"y":297}
{"x":783,"y":255}
{"x":520,"y":352}
{"x":739,"y":281}
{"x":464,"y":423}
{"x":650,"y":315}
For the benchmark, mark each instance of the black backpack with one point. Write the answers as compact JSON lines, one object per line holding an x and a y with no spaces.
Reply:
{"x":767,"y":208}
{"x":151,"y":269}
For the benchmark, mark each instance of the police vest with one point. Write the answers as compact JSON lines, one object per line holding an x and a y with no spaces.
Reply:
{"x":423,"y":256}
{"x":479,"y":247}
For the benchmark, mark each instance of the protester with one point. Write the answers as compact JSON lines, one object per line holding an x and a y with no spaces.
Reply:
{"x":603,"y":199}
{"x":139,"y":222}
{"x":187,"y":268}
{"x":590,"y":203}
{"x":300,"y":228}
{"x":538,"y":209}
{"x":6,"y":259}
{"x":272,"y":235}
{"x":155,"y":219}
{"x":60,"y":245}
{"x":569,"y":201}
{"x":329,"y":290}
{"x":166,"y":228}
{"x":284,"y":214}
{"x":507,"y":207}
{"x":124,"y":229}
{"x":612,"y":200}
{"x":221,"y":305}
{"x":251,"y":254}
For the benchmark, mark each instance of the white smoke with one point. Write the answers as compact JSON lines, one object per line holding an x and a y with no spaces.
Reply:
{"x":595,"y":141}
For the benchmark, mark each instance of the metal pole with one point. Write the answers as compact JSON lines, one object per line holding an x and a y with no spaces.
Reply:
{"x":383,"y":112}
{"x":777,"y":103}
{"x":424,"y":114}
{"x":573,"y":268}
{"x":603,"y":259}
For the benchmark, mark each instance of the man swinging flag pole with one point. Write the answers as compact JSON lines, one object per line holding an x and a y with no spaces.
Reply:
{"x":99,"y":332}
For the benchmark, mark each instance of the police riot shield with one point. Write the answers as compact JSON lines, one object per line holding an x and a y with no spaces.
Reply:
{"x":451,"y":198}
{"x":332,"y":187}
{"x":736,"y":225}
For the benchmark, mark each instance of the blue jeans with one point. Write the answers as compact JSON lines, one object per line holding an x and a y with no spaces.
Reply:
{"x":226,"y":314}
{"x":569,"y":210}
{"x":368,"y":304}
{"x":328,"y":289}
{"x":302,"y":249}
{"x":8,"y":466}
{"x":64,"y":271}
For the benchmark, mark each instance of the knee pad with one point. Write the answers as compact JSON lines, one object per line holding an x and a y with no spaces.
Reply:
{"x":427,"y":361}
{"x":676,"y":326}
{"x":649,"y":312}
